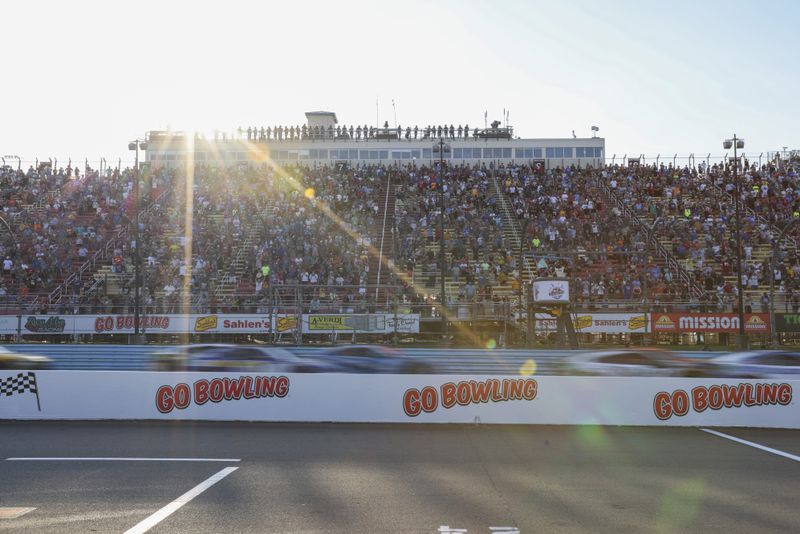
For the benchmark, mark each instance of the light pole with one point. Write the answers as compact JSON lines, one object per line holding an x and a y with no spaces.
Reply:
{"x":440,"y":146}
{"x":136,"y":145}
{"x":737,"y":143}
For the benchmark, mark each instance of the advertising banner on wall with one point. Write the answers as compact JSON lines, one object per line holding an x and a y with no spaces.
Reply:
{"x":123,"y":324}
{"x":600,"y":323}
{"x":376,"y":323}
{"x":611,"y":323}
{"x":787,"y":322}
{"x":364,"y":398}
{"x":8,"y":324}
{"x":754,"y":323}
{"x":228,"y":323}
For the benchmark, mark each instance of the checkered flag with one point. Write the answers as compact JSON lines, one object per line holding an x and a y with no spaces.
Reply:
{"x":20,"y":384}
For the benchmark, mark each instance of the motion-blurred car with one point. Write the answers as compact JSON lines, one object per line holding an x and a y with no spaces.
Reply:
{"x":16,"y":360}
{"x":755,"y":364}
{"x":241,"y":358}
{"x":373,"y":359}
{"x":643,"y":362}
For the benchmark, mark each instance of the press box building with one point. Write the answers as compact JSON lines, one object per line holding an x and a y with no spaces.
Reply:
{"x":389,"y":146}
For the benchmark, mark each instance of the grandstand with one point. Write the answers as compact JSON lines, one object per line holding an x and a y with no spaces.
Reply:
{"x":325,"y":218}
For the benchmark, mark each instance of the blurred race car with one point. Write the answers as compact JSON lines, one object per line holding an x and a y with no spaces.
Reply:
{"x":16,"y":360}
{"x":373,"y":359}
{"x":642,"y":362}
{"x":755,"y":364}
{"x":241,"y":358}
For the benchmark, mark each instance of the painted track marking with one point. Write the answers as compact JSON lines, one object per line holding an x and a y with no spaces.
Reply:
{"x":10,"y":512}
{"x":175,"y":505}
{"x":753,"y":444}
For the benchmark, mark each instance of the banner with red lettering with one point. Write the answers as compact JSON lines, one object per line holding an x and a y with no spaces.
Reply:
{"x":229,"y":323}
{"x":378,"y":398}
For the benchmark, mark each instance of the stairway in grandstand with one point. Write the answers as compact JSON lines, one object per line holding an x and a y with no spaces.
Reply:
{"x":663,"y":255}
{"x":92,"y":273}
{"x":225,"y":285}
{"x":100,"y":277}
{"x":423,"y":277}
{"x":381,"y":257}
{"x":511,"y":228}
{"x":787,"y":242}
{"x":761,"y":253}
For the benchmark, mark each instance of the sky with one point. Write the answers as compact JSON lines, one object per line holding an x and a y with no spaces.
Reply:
{"x":81,"y":79}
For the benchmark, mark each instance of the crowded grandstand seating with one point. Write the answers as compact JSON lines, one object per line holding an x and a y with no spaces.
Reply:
{"x":56,"y":222}
{"x":692,"y":213}
{"x":313,"y":237}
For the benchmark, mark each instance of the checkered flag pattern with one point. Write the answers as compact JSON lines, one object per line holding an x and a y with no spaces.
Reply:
{"x":20,"y":383}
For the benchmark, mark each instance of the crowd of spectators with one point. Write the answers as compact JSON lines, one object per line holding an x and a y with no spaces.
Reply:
{"x":692,"y":211}
{"x":54,"y":221}
{"x":253,"y":230}
{"x":572,"y":231}
{"x":477,"y":255}
{"x":354,"y":132}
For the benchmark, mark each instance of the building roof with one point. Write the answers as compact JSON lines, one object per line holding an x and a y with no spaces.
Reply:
{"x":323,"y":113}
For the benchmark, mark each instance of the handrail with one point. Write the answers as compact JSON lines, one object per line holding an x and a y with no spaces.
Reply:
{"x":57,"y":294}
{"x":654,"y":242}
{"x":516,"y":231}
{"x":383,"y":229}
{"x":790,"y":241}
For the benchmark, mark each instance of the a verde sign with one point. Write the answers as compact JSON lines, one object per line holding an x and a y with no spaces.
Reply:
{"x":787,"y":322}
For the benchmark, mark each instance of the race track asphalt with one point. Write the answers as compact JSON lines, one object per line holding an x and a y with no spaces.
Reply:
{"x":398,"y":478}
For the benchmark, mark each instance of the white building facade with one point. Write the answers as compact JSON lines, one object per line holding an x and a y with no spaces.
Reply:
{"x":250,"y":148}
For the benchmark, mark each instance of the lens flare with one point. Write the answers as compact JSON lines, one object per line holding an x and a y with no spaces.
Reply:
{"x":680,"y":505}
{"x":309,"y":193}
{"x":528,"y":368}
{"x":491,"y":344}
{"x":593,"y":437}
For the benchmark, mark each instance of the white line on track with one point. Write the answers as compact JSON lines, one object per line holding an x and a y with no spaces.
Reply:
{"x":10,"y":512}
{"x":169,"y":509}
{"x":106,"y":459}
{"x":752,"y":444}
